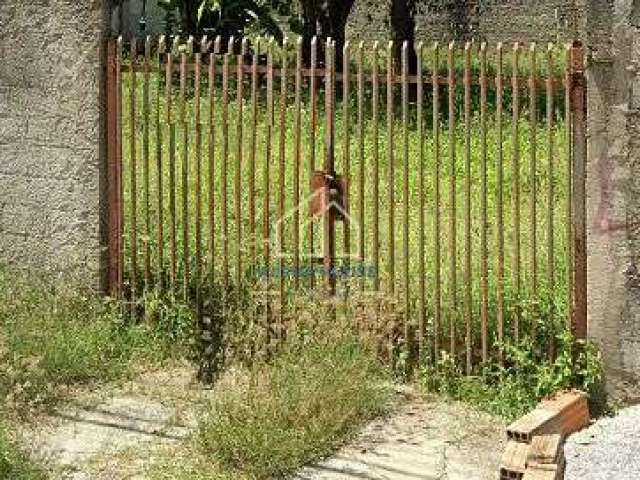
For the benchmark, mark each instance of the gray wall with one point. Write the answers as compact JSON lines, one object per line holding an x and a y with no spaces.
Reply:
{"x":492,"y":21}
{"x":613,"y":190}
{"x":50,"y":134}
{"x":127,"y":16}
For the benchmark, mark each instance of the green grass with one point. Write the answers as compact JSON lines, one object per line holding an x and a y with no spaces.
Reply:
{"x":294,"y":410}
{"x":269,"y":419}
{"x":13,"y":463}
{"x":55,"y":335}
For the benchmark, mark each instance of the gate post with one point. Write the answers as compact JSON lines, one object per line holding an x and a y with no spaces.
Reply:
{"x":579,"y":149}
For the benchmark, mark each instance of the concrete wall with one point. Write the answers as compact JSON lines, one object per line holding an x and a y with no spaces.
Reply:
{"x":613,"y":190}
{"x":127,"y":17}
{"x":493,"y":21}
{"x":51,"y":170}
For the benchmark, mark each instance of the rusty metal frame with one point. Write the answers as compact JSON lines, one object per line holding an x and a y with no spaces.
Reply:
{"x":472,"y":341}
{"x":579,"y":150}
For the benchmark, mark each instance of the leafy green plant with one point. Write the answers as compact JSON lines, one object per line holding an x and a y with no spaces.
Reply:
{"x":513,"y":388}
{"x":224,"y":17}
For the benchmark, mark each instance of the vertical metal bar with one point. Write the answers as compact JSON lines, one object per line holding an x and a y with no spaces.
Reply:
{"x":225,"y":166}
{"x":281,"y":185}
{"x":145,"y":161}
{"x":467,"y":206}
{"x":451,"y":81}
{"x":421,"y":194}
{"x":391,"y":167}
{"x":437,"y":319}
{"x":239,"y":159}
{"x":515,"y":87}
{"x":212,"y":157}
{"x":313,"y":86}
{"x":361,"y":160}
{"x":198,"y":174}
{"x":579,"y":143}
{"x":114,"y":168}
{"x":405,"y":193}
{"x":296,"y":163}
{"x":185,"y":168}
{"x":375,"y":96}
{"x":499,"y":205}
{"x":133,"y":220}
{"x":533,"y":129}
{"x":346,"y":149}
{"x":569,"y":172}
{"x":254,"y":146}
{"x":550,"y":196}
{"x":159,"y":167}
{"x":120,"y":153}
{"x":172,"y":165}
{"x":484,"y":247}
{"x":266,"y":187}
{"x":329,"y":168}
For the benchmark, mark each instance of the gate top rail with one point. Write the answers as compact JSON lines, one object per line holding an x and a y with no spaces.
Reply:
{"x":162,"y":47}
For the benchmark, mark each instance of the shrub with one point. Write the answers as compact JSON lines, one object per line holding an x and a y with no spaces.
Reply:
{"x":526,"y":377}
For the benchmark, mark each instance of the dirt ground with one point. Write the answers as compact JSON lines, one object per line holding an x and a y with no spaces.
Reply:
{"x":127,"y":430}
{"x":425,"y":439}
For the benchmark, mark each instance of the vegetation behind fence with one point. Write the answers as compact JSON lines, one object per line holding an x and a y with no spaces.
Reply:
{"x":451,"y":183}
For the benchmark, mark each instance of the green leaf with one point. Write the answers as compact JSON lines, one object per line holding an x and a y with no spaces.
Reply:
{"x":203,"y":5}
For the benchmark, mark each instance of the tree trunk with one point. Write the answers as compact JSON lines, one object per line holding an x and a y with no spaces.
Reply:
{"x":324,"y":20}
{"x":403,"y":25}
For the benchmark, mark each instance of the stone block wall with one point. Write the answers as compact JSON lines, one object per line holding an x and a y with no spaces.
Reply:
{"x":51,"y":163}
{"x":492,"y":21}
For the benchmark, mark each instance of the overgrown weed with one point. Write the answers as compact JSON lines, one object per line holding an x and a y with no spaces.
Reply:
{"x":295,"y":408}
{"x":512,"y":388}
{"x":13,"y":463}
{"x":54,"y":335}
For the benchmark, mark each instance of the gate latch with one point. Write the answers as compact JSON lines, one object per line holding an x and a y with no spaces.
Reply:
{"x":328,"y":195}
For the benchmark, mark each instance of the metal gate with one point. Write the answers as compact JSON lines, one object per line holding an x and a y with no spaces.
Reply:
{"x":451,"y":188}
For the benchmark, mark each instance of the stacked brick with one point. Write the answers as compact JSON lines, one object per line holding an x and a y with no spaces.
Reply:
{"x":534,"y":449}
